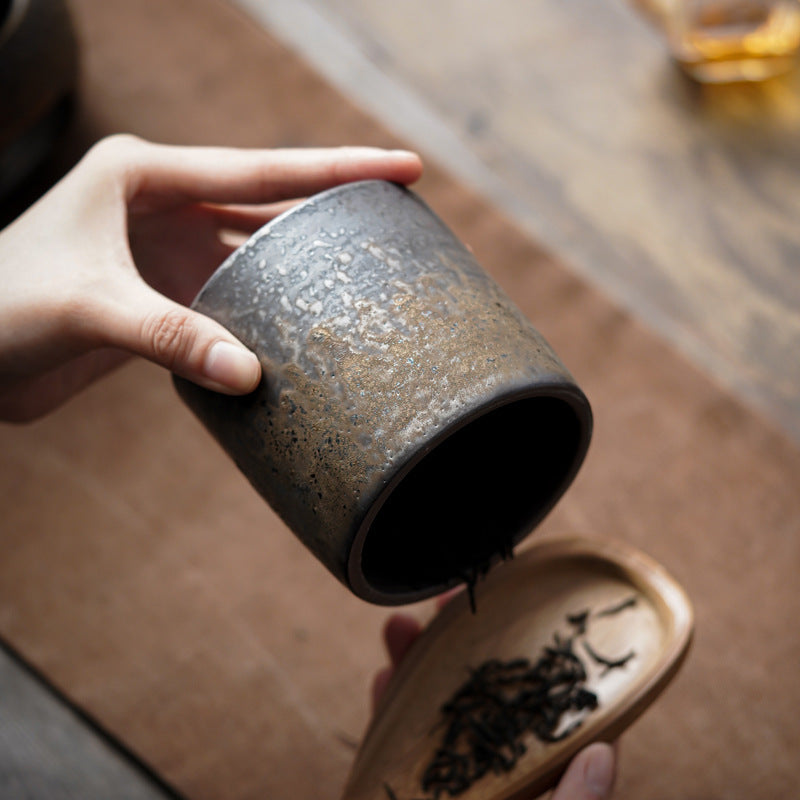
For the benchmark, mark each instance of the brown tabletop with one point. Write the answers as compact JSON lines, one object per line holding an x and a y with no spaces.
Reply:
{"x":146,"y":582}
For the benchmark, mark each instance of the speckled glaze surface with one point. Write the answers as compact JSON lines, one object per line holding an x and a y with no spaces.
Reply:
{"x":411,"y":424}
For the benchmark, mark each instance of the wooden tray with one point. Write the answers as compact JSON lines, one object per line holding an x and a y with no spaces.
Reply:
{"x":634,"y":606}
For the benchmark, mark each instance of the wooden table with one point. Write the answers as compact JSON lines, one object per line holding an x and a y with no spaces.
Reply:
{"x":679,"y":202}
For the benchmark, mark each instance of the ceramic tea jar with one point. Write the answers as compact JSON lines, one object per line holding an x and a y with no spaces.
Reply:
{"x":411,"y":425}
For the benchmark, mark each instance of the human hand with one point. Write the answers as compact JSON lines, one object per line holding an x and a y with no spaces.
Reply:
{"x":98,"y":268}
{"x":590,"y":775}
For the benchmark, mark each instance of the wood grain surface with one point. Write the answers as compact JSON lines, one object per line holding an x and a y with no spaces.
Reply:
{"x":628,"y":605}
{"x":680,"y":201}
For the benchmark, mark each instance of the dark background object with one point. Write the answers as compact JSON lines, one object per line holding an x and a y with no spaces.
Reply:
{"x":38,"y":81}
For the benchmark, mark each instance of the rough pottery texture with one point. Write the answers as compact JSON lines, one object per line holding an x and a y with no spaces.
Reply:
{"x":411,"y":424}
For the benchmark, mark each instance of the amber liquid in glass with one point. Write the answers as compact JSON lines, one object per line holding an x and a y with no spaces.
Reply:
{"x":718,"y":41}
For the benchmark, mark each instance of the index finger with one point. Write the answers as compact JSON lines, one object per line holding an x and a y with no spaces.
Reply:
{"x":163,"y":175}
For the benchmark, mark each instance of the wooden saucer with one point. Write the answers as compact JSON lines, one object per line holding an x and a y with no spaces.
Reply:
{"x":633,"y":606}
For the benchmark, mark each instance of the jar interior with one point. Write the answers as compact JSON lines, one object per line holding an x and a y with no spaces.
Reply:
{"x":480,"y":491}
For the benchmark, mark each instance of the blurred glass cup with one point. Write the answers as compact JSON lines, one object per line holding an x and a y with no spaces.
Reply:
{"x":722,"y":41}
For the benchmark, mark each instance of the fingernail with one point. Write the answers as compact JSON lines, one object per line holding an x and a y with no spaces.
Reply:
{"x":380,"y":154}
{"x":232,"y":366}
{"x":599,"y":774}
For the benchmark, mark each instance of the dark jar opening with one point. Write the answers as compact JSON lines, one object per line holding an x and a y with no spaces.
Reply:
{"x":476,"y":494}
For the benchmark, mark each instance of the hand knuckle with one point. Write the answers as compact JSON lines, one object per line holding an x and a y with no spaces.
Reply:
{"x":170,"y":335}
{"x":116,"y":155}
{"x":118,"y":146}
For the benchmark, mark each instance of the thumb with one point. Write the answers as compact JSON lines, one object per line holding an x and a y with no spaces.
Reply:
{"x":590,"y":776}
{"x":185,"y":342}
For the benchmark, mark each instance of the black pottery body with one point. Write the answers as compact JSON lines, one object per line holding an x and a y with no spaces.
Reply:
{"x":411,"y":425}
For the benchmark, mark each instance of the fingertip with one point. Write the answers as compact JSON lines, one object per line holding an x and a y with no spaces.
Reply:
{"x":399,"y":633}
{"x":379,"y":685}
{"x":231,"y":368}
{"x":363,"y":163}
{"x":409,"y":165}
{"x":409,"y":157}
{"x":590,"y":775}
{"x":600,"y":769}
